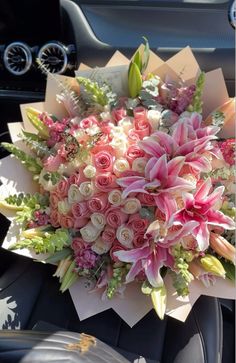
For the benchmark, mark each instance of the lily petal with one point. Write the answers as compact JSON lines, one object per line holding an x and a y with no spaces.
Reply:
{"x":202,"y":235}
{"x":136,"y":187}
{"x":217,"y":218}
{"x":134,"y":271}
{"x":133,"y":255}
{"x":180,"y":133}
{"x":152,"y":269}
{"x":151,"y":147}
{"x":167,"y":204}
{"x":126,"y":181}
{"x":203,"y":191}
{"x":159,"y":170}
{"x":175,"y":165}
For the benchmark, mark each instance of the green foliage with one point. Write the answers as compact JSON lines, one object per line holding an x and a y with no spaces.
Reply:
{"x":229,"y":269}
{"x":28,"y":203}
{"x":54,"y":177}
{"x":31,"y":163}
{"x":182,"y":277}
{"x":35,"y":143}
{"x":134,"y":80}
{"x":196,"y":105}
{"x":96,"y":93}
{"x":33,"y":116}
{"x":49,"y":242}
{"x":70,"y":277}
{"x":116,"y":281}
{"x":59,"y":255}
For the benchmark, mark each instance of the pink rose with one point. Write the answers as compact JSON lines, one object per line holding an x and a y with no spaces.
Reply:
{"x":103,"y":161}
{"x":146,"y":199}
{"x":66,"y":221}
{"x":105,"y":182}
{"x":115,"y":217}
{"x":54,"y":218}
{"x":98,"y":203}
{"x":88,"y":122}
{"x":141,"y":124}
{"x":137,"y":223}
{"x":140,"y":113}
{"x":62,"y":188}
{"x":134,"y":152}
{"x":53,"y":200}
{"x":133,"y":137}
{"x":115,"y":248}
{"x":80,"y":210}
{"x":75,"y":179}
{"x":80,"y":222}
{"x":138,"y":240}
{"x":77,"y":244}
{"x":108,"y":235}
{"x":118,"y":114}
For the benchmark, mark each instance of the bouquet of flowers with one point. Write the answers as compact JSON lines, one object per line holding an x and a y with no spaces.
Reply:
{"x":131,"y":187}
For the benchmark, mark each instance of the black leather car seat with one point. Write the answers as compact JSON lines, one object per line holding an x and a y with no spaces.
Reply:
{"x":29,"y":295}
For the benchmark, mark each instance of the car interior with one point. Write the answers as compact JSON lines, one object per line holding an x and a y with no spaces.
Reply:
{"x":37,"y":321}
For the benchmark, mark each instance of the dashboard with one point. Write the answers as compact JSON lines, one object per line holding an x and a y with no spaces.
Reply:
{"x":63,"y":33}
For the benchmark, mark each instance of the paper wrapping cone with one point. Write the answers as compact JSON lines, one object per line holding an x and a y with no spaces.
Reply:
{"x":15,"y":179}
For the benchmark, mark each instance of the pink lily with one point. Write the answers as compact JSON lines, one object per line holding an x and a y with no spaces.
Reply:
{"x":161,"y":180}
{"x":202,"y":207}
{"x":188,"y":139}
{"x":154,"y":254}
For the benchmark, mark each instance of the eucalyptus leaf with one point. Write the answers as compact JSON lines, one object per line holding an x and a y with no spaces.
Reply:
{"x":59,"y":255}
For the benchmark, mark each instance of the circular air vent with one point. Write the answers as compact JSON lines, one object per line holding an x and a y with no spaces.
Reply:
{"x":17,"y":58}
{"x":54,"y":56}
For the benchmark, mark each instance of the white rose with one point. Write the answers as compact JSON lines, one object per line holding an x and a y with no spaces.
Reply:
{"x":89,"y":171}
{"x":139,"y":165}
{"x":125,"y":236}
{"x":115,"y":197}
{"x":98,"y":220}
{"x":131,"y":206}
{"x":100,"y":247}
{"x":120,"y":165}
{"x":126,"y":123}
{"x":154,"y":118}
{"x":119,"y":143}
{"x":63,"y":206}
{"x":89,"y":233}
{"x":74,"y":194}
{"x":93,"y":130}
{"x":86,"y":189}
{"x":69,"y":168}
{"x":116,"y":131}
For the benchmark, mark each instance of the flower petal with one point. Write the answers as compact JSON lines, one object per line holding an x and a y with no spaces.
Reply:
{"x":174,"y":237}
{"x":133,"y":255}
{"x":151,"y":147}
{"x":137,"y":187}
{"x":159,"y":170}
{"x":167,"y":204}
{"x":212,"y":199}
{"x":202,"y":235}
{"x":203,"y":191}
{"x":180,"y":133}
{"x":126,"y":181}
{"x":133,"y":272}
{"x":217,"y":218}
{"x":175,"y":165}
{"x":152,"y":269}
